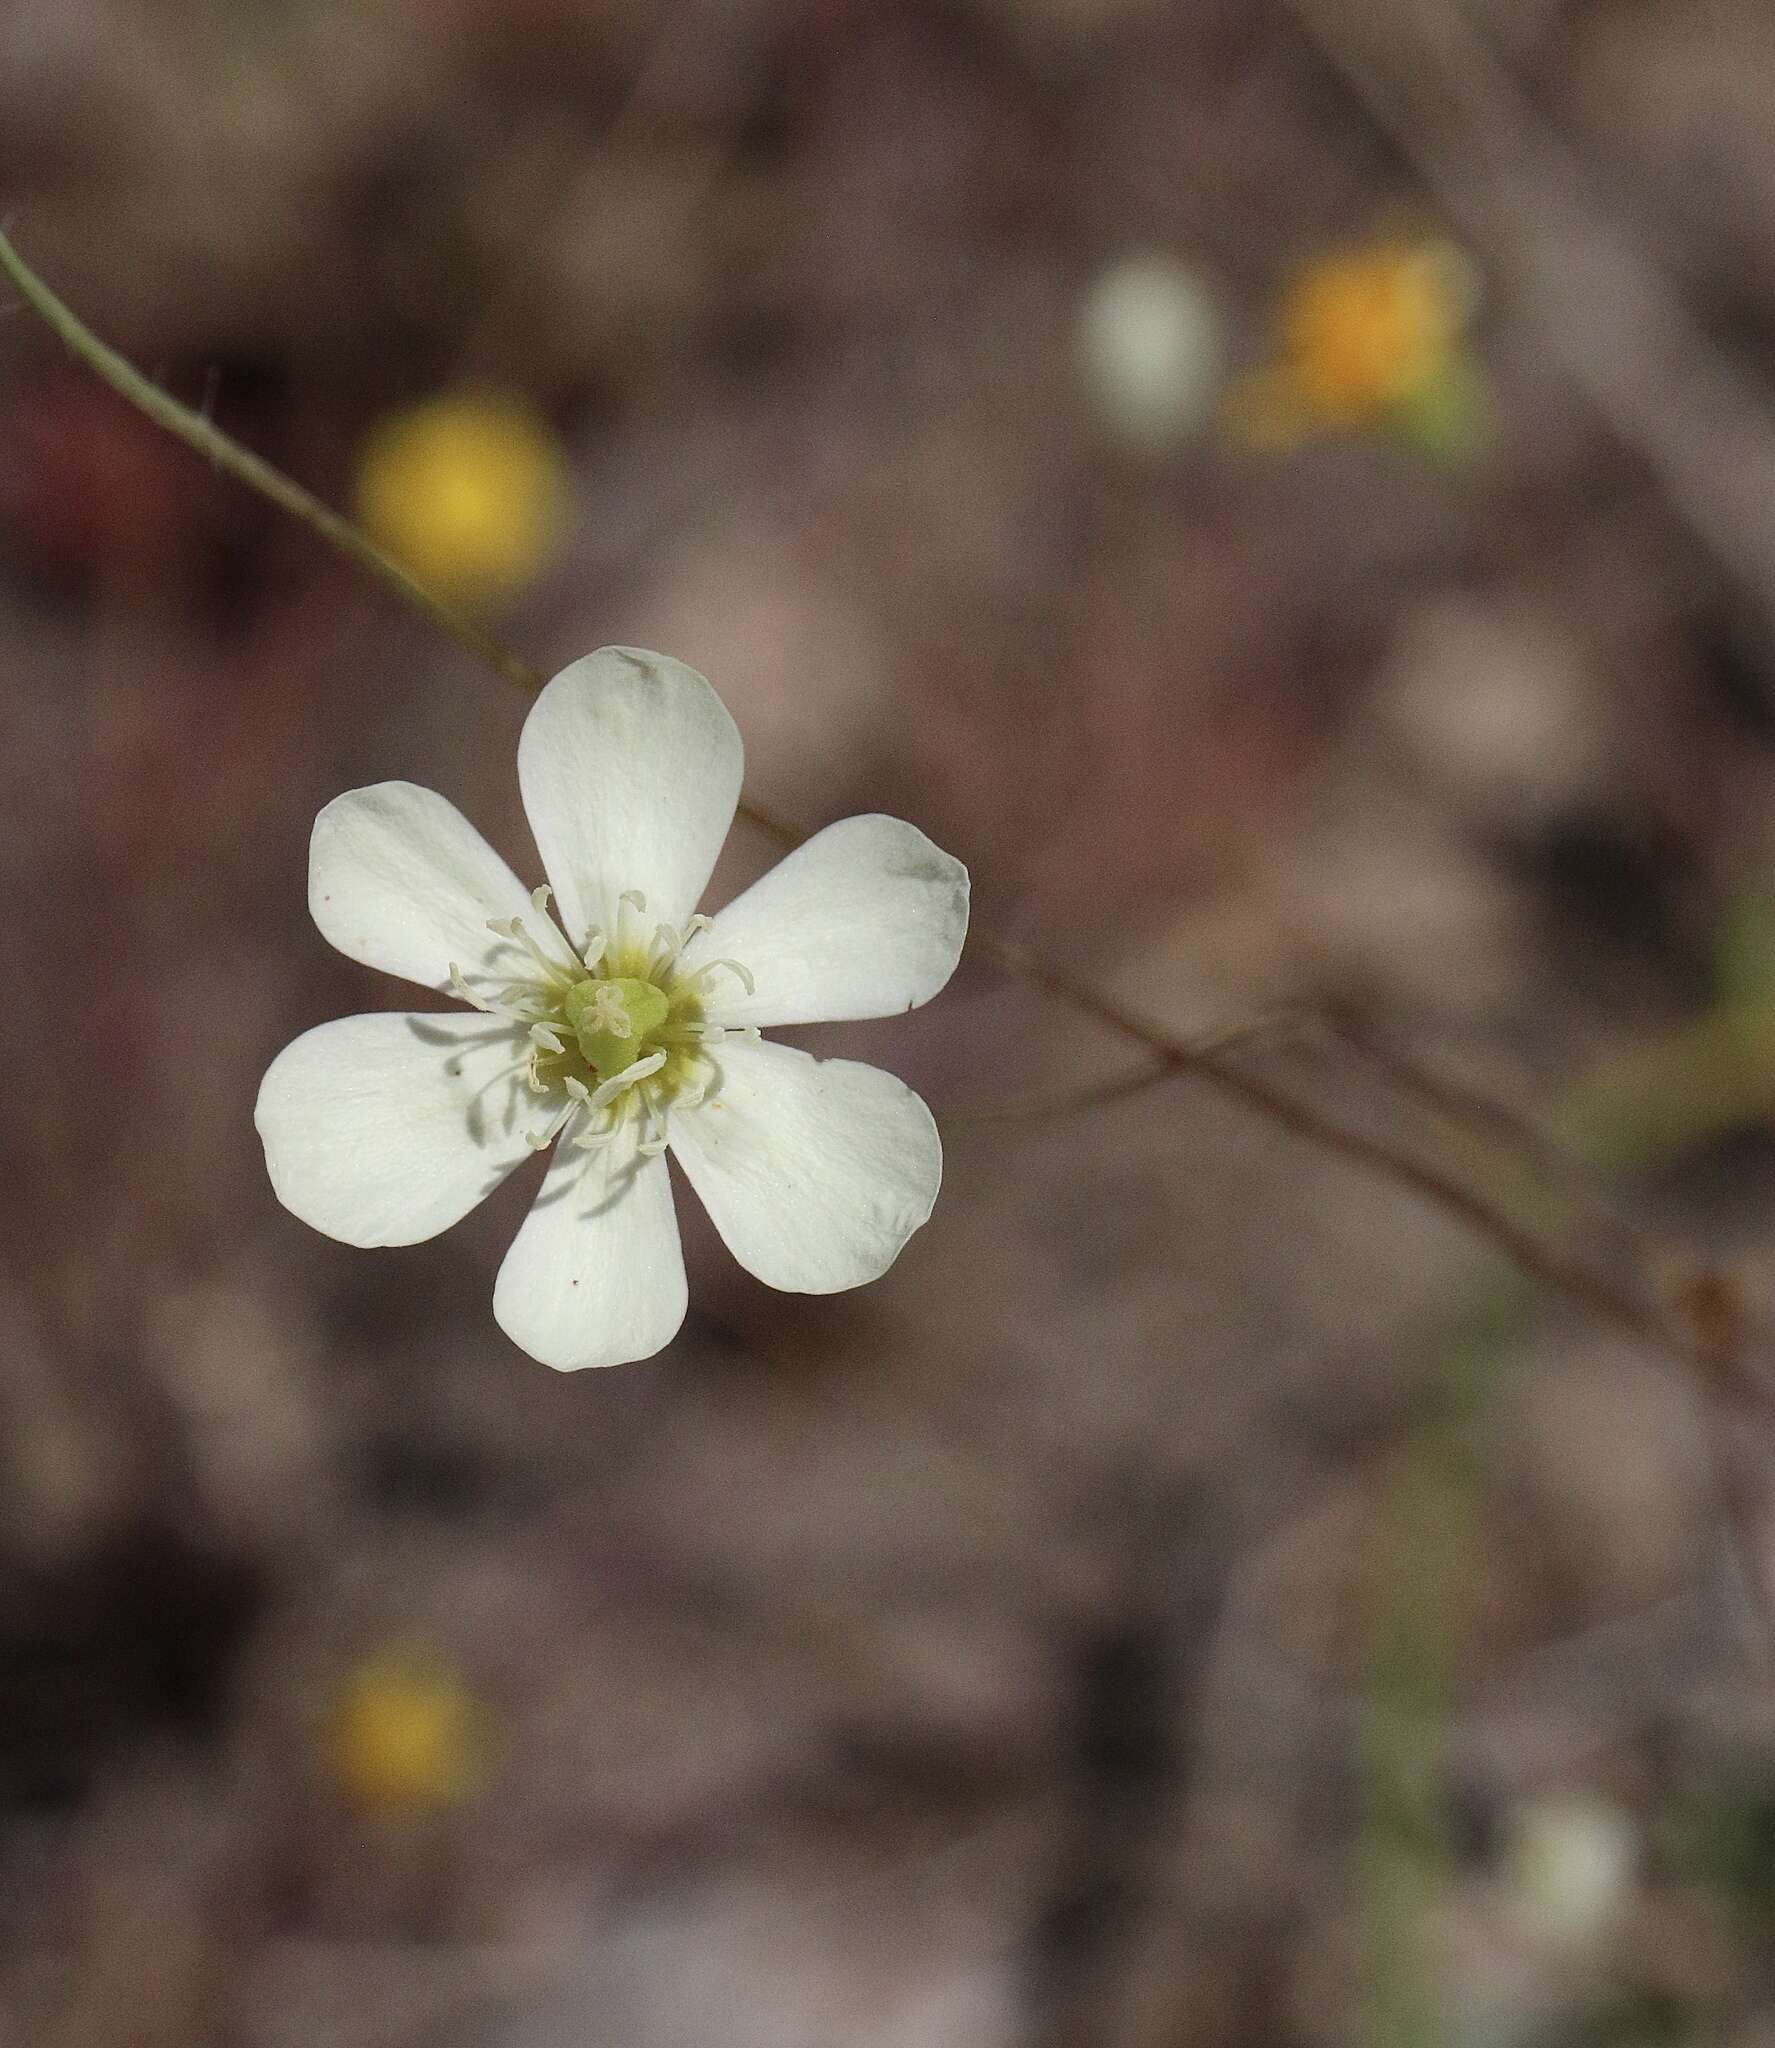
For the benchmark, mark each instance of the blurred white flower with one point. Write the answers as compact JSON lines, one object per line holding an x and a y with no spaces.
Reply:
{"x":1151,"y":351}
{"x":1569,"y":1865}
{"x":628,"y":1028}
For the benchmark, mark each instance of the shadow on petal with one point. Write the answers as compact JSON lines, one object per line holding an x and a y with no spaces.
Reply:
{"x":480,"y":1124}
{"x":616,"y":1187}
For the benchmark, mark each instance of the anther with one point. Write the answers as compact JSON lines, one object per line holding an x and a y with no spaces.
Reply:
{"x":460,"y":989}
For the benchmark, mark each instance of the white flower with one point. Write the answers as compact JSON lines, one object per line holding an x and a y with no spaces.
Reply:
{"x":1151,"y":351}
{"x":1570,"y":1865}
{"x":631,"y":1031}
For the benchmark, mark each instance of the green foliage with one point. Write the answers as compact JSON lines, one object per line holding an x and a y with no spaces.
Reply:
{"x":1727,"y":1841}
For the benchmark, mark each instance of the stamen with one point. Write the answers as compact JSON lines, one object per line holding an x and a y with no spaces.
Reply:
{"x":674,"y":943}
{"x":651,"y":1146}
{"x":461,"y":990}
{"x":515,"y":929}
{"x":631,"y":900}
{"x":512,"y":1005}
{"x":539,"y":899}
{"x":541,"y":1035}
{"x":591,"y":1134}
{"x":739,"y":973}
{"x":597,"y":945}
{"x":608,"y":1091}
{"x":579,"y":1104}
{"x":541,"y":1141}
{"x":708,"y":1079}
{"x":524,"y":1003}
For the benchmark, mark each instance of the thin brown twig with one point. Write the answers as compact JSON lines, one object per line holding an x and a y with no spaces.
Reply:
{"x":1465,"y":1205}
{"x":1428,"y":77}
{"x":1356,"y":1148}
{"x":228,"y":455}
{"x":1045,"y":1104}
{"x":1468,"y":1110}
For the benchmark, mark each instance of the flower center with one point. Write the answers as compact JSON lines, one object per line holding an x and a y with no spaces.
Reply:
{"x":614,"y":1019}
{"x":619,"y":1030}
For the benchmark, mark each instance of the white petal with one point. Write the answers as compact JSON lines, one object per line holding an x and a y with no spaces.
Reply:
{"x":387,"y":1129}
{"x":399,"y":879}
{"x":595,"y":1277}
{"x":865,"y":920}
{"x":630,"y":768}
{"x":816,"y":1172}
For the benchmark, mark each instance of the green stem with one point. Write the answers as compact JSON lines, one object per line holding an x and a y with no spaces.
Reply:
{"x":1357,"y":1148}
{"x":1632,"y":1114}
{"x":1433,"y":1503}
{"x":1405,"y":1854}
{"x":233,"y":460}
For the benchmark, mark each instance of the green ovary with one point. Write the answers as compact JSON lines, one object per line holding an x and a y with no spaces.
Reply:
{"x":613,"y":1020}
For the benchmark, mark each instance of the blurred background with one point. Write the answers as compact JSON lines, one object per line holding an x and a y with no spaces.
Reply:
{"x":1287,"y":493}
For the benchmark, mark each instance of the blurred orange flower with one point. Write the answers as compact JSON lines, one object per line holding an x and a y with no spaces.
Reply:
{"x":1368,"y":338}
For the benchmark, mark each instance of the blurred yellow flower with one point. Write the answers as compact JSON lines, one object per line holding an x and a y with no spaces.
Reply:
{"x":1368,"y":338}
{"x":406,"y":1735}
{"x":468,"y":491}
